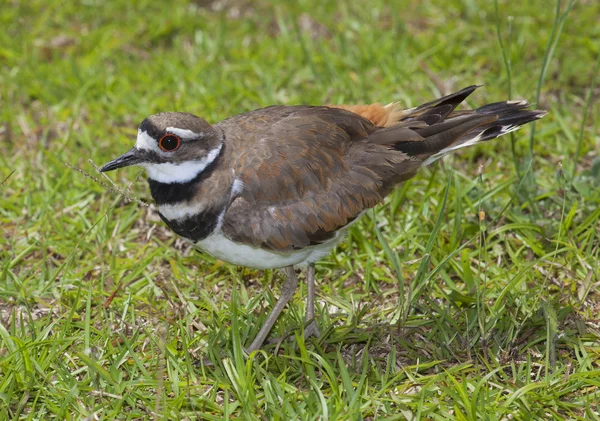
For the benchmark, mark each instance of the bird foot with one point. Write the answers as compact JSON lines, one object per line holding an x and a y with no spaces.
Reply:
{"x":312,"y":330}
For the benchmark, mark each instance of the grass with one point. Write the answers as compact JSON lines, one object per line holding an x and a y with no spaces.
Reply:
{"x":471,"y":294}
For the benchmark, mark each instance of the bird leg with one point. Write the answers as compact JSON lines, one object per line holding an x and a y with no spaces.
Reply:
{"x":311,"y":328}
{"x":287,"y":291}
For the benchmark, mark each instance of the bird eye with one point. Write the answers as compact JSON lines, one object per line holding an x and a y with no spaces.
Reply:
{"x":169,"y":142}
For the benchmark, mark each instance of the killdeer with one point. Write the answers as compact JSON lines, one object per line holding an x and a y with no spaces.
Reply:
{"x":278,"y":186}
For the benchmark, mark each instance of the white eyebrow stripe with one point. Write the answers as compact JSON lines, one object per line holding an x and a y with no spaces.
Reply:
{"x":184,"y":133}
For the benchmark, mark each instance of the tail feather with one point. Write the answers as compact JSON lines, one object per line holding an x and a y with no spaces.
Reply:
{"x":442,"y":129}
{"x":454,"y":99}
{"x":442,"y":135}
{"x":511,"y":116}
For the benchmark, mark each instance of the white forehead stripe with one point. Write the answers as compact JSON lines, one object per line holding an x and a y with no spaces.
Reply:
{"x":180,"y":172}
{"x":145,"y":141}
{"x":184,"y":133}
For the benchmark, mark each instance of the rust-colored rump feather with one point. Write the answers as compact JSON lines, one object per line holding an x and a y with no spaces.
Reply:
{"x":380,"y":115}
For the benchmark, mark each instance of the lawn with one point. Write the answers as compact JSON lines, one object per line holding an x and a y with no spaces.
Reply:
{"x":472,"y":293}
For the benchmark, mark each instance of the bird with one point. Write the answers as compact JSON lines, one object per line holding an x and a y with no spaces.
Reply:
{"x":277,"y":187}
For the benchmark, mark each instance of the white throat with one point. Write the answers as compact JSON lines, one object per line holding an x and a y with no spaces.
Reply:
{"x":181,"y":172}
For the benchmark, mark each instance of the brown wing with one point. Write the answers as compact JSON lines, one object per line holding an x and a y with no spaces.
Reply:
{"x":310,"y":171}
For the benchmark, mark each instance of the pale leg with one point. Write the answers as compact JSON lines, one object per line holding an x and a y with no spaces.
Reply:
{"x":287,"y":291}
{"x":311,"y":329}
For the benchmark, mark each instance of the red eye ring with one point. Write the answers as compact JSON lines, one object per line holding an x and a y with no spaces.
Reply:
{"x":169,"y":142}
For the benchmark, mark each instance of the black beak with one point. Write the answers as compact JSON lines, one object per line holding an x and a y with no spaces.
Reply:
{"x":131,"y":157}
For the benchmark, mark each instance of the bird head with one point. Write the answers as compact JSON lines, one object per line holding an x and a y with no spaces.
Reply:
{"x":172,"y":147}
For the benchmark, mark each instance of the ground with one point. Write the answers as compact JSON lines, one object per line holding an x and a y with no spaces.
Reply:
{"x":472,"y":293}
